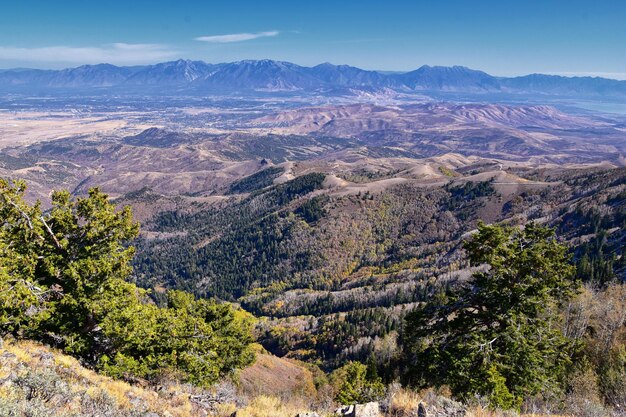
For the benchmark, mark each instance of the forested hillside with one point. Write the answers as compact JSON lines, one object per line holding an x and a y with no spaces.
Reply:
{"x":317,"y":264}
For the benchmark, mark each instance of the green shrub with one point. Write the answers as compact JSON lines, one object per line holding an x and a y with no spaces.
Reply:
{"x":353,"y":385}
{"x":612,"y":376}
{"x":199,"y":340}
{"x":500,"y":396}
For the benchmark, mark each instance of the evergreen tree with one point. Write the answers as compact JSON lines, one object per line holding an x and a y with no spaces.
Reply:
{"x":498,"y":333}
{"x":62,"y":278}
{"x":354,"y":383}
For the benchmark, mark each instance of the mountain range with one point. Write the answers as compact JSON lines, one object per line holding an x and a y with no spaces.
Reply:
{"x":185,"y":76}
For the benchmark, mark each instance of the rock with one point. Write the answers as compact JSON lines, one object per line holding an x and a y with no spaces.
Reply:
{"x":421,"y":411}
{"x":206,"y":401}
{"x":7,"y":358}
{"x":360,"y":410}
{"x":346,"y":410}
{"x":137,"y":402}
{"x":367,"y":410}
{"x":442,"y":407}
{"x":221,"y":394}
{"x":46,"y":358}
{"x":8,"y":355}
{"x":308,"y":414}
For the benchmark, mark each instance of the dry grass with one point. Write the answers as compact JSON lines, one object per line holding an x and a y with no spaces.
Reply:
{"x":404,"y":402}
{"x":82,"y":381}
{"x":277,"y":377}
{"x":266,"y":406}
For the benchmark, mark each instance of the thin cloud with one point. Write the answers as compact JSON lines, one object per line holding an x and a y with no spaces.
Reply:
{"x":237,"y":37}
{"x":115,"y":53}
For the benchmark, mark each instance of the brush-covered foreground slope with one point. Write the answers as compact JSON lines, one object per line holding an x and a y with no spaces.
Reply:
{"x":36,"y":380}
{"x":319,"y":255}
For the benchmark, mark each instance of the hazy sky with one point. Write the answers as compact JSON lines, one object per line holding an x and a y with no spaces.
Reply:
{"x":501,"y":37}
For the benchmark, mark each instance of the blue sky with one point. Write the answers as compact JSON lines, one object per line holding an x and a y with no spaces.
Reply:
{"x":501,"y":37}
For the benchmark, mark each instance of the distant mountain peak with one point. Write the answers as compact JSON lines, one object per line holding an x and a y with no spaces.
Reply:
{"x":189,"y":76}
